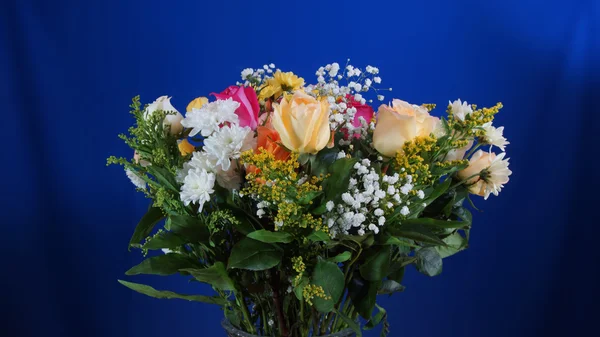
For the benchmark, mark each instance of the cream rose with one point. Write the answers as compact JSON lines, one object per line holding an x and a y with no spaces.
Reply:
{"x":302,"y":122}
{"x":163,"y":103}
{"x":400,"y":123}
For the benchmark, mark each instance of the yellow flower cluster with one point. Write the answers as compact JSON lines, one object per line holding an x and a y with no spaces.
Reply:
{"x":452,"y":163}
{"x":474,"y":120}
{"x":276,"y":181}
{"x":280,"y":82}
{"x":311,"y":291}
{"x":299,"y":267}
{"x":411,"y":159}
{"x":429,"y":106}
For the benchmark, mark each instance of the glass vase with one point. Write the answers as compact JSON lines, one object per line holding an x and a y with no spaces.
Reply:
{"x":234,"y":332}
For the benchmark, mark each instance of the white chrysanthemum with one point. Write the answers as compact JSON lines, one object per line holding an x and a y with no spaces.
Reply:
{"x":494,"y":136}
{"x":135,"y":179}
{"x":210,"y":117}
{"x":460,"y":109}
{"x":228,"y":143}
{"x":200,"y":160}
{"x":197,"y":187}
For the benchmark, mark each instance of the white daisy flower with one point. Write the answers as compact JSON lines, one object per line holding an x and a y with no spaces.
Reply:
{"x":460,"y":109}
{"x":487,"y":173}
{"x":494,"y":136}
{"x":197,"y":187}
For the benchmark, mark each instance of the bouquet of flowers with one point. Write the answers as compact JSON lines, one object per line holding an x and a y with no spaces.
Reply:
{"x":298,"y":203}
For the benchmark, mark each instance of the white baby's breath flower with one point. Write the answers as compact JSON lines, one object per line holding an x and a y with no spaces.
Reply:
{"x":329,"y":205}
{"x":494,"y":136}
{"x":335,"y":67}
{"x":210,"y":117}
{"x":377,"y":79}
{"x":228,"y":143}
{"x":197,"y":187}
{"x":380,"y":97}
{"x":460,"y":109}
{"x":247,"y":72}
{"x":420,"y":194}
{"x":404,"y":210}
{"x":374,"y":228}
{"x":135,"y":179}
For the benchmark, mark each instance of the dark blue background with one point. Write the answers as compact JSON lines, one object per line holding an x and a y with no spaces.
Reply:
{"x":69,"y":69}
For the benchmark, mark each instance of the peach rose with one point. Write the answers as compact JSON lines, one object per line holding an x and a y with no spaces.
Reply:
{"x":400,"y":123}
{"x":302,"y":122}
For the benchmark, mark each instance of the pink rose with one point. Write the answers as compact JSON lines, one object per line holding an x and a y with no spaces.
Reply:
{"x":362,"y":110}
{"x":249,"y":108}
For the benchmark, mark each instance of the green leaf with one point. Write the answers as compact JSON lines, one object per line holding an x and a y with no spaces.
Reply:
{"x":439,"y":190}
{"x":234,"y":316}
{"x":454,"y":244}
{"x":376,"y":264}
{"x":429,"y":261}
{"x":317,"y":236}
{"x":329,"y":276}
{"x":337,"y":183}
{"x":146,"y":224}
{"x":320,"y":163}
{"x":308,"y":197}
{"x":149,"y":291}
{"x":394,"y":241}
{"x":352,"y":324}
{"x":191,"y":229}
{"x":254,"y":255}
{"x":244,"y":226}
{"x":164,"y":177}
{"x":167,"y":240}
{"x":345,"y":256}
{"x":364,"y":295}
{"x":427,"y":222}
{"x":390,"y":287}
{"x":215,"y":275}
{"x":464,"y":214}
{"x":264,"y":235}
{"x":300,"y":287}
{"x":166,"y":264}
{"x":417,"y":233}
{"x":375,"y":320}
{"x":322,"y":209}
{"x":397,"y":275}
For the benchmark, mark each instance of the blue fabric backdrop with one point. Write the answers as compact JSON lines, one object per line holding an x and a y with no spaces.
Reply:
{"x":70,"y":68}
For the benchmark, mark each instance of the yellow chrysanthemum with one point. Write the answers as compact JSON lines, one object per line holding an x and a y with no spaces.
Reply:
{"x":279,"y":83}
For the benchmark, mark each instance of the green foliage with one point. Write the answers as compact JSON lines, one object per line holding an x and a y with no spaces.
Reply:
{"x":328,"y":276}
{"x":166,"y":264}
{"x":254,"y":255}
{"x":215,"y":275}
{"x":429,"y":261}
{"x":377,"y":263}
{"x":149,"y":291}
{"x":263,"y":235}
{"x":364,"y":295}
{"x":351,"y":323}
{"x":146,"y":224}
